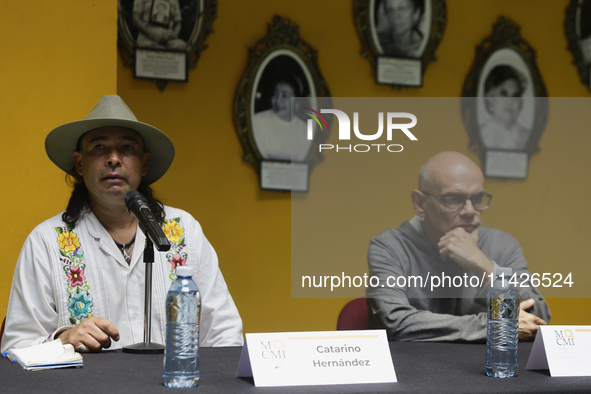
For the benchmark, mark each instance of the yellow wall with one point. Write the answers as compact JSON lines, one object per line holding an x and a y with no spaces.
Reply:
{"x":250,"y":228}
{"x":58,"y":58}
{"x":62,"y":57}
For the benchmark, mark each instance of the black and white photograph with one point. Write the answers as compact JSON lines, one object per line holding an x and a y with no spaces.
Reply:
{"x":401,"y":27}
{"x":505,"y":105}
{"x":400,"y":37}
{"x":584,"y":28}
{"x":279,"y":129}
{"x":577,"y":28}
{"x":272,"y":125}
{"x":161,"y":24}
{"x":162,"y":39}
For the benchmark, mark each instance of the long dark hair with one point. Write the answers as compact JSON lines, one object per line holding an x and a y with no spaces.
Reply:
{"x":80,"y":200}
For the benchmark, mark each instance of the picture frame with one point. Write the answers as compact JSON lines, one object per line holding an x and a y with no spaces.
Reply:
{"x":270,"y":121}
{"x":400,"y":48}
{"x":162,"y":39}
{"x":577,"y":29}
{"x":504,"y":102}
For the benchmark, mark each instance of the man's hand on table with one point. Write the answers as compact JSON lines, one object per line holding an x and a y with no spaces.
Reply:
{"x":528,"y":322}
{"x":95,"y":333}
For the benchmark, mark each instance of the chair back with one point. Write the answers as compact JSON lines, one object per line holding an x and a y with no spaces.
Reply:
{"x":354,"y":315}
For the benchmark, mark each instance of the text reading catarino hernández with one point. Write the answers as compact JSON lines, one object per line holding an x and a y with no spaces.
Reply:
{"x":356,"y":362}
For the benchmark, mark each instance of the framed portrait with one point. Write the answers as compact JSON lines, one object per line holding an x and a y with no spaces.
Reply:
{"x":162,"y":39}
{"x":399,"y":37}
{"x":577,"y":28}
{"x":281,"y":83}
{"x":504,"y":104}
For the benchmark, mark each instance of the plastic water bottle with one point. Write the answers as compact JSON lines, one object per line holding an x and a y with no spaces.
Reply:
{"x":503,"y":327}
{"x":183,"y":308}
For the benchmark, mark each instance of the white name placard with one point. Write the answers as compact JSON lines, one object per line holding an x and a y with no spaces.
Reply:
{"x":564,"y":350}
{"x":317,"y":358}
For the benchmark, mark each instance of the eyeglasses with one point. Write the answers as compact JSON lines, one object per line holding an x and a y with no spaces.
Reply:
{"x":456,"y":203}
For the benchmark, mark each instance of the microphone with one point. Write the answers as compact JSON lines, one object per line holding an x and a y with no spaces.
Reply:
{"x":137,"y":205}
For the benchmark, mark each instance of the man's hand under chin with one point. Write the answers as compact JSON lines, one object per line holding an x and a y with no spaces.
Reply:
{"x":462,"y":247}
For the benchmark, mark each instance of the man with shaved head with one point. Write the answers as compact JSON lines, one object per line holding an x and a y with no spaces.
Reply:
{"x":426,"y":267}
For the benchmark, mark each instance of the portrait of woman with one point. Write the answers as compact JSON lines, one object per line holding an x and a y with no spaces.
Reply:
{"x":506,"y":111}
{"x":401,"y":27}
{"x":504,"y":87}
{"x":504,"y":102}
{"x":279,"y":130}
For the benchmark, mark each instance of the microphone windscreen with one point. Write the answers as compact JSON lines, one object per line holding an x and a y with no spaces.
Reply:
{"x":134,"y":197}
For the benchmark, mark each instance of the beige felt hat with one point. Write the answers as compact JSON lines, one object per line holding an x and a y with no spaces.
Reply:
{"x":61,"y":142}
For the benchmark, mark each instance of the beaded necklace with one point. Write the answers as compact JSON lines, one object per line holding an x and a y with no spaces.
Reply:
{"x":126,"y":249}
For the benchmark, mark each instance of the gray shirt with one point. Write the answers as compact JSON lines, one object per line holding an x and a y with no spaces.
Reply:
{"x":417,"y":312}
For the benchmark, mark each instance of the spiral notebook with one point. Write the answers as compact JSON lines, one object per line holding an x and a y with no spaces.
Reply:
{"x":47,"y":355}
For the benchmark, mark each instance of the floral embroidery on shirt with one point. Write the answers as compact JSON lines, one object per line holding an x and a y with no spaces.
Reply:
{"x":68,"y":241}
{"x":79,"y":301}
{"x":176,"y":236}
{"x":80,"y":305}
{"x":76,"y":276}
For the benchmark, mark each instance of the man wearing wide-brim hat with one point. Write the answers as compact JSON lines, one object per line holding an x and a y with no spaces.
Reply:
{"x":80,"y":275}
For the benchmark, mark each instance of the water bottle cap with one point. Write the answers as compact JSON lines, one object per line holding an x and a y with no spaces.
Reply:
{"x":506,"y":271}
{"x":184,"y":271}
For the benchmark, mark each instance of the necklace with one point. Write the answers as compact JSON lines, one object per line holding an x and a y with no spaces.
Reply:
{"x":125,"y":249}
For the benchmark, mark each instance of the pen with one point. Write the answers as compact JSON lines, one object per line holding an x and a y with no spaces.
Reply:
{"x":8,"y":355}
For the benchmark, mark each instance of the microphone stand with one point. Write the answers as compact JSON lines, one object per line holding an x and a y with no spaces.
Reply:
{"x":147,"y":347}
